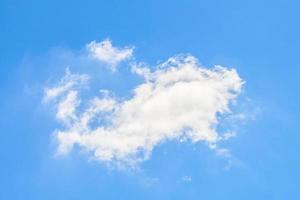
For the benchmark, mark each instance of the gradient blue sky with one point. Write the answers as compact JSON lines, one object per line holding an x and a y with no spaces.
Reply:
{"x":258,"y":38}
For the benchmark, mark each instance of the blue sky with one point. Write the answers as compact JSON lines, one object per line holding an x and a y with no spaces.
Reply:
{"x":257,"y":39}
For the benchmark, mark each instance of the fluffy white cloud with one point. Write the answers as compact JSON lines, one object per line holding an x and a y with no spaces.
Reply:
{"x":66,"y":84}
{"x":105,"y":52}
{"x":179,"y":100}
{"x":67,"y":106}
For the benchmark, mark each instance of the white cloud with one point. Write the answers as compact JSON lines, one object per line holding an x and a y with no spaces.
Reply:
{"x":68,"y":82}
{"x":105,"y":52}
{"x":67,"y":106}
{"x":178,"y":100}
{"x":186,"y":178}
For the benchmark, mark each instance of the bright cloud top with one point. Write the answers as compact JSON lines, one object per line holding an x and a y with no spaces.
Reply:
{"x":105,"y":52}
{"x":178,"y":100}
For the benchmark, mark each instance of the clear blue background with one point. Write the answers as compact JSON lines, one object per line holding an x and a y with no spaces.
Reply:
{"x":258,"y":38}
